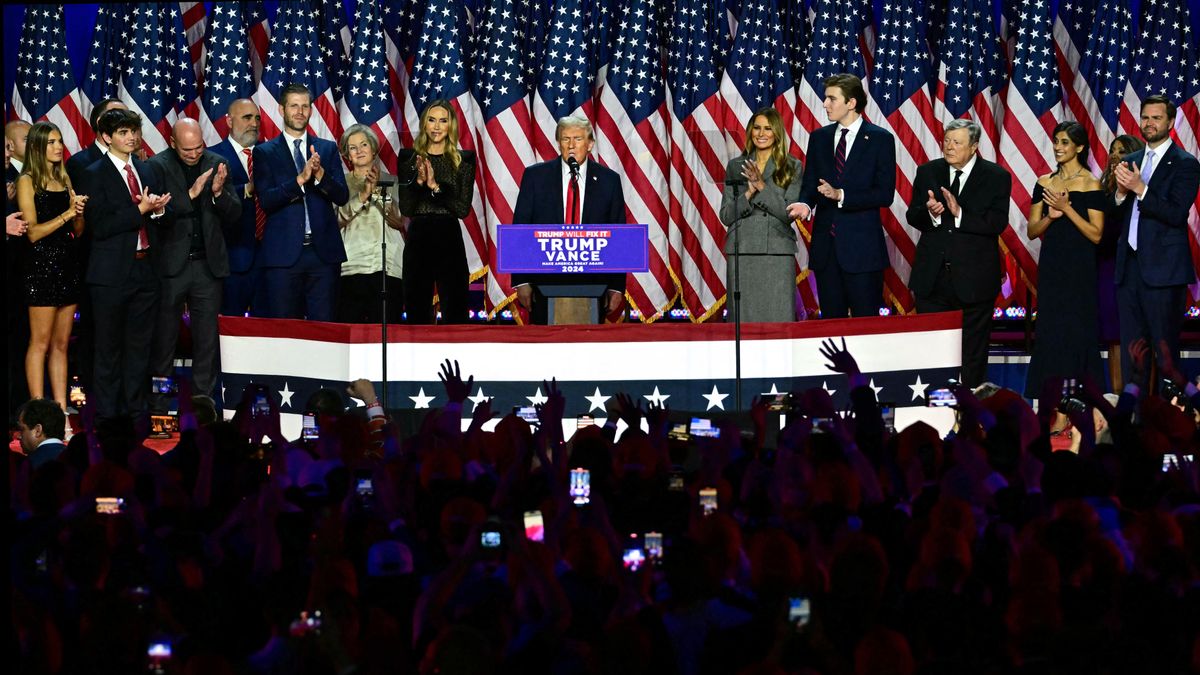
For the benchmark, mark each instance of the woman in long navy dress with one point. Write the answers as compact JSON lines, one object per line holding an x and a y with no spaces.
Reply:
{"x":1068,"y":214}
{"x":50,"y":280}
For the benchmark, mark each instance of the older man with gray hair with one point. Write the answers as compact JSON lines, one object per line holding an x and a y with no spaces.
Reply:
{"x":192,"y":258}
{"x":960,"y":205}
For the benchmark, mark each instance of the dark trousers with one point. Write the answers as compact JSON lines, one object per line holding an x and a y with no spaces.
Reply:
{"x":200,"y":291}
{"x":843,"y":293}
{"x":244,"y":292}
{"x":303,"y":291}
{"x":1151,"y":312}
{"x":18,"y":339}
{"x":358,"y":298}
{"x":977,"y":325}
{"x":124,"y":327}
{"x":434,"y":254}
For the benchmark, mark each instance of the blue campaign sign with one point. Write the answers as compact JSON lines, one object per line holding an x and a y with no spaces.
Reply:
{"x":568,"y":249}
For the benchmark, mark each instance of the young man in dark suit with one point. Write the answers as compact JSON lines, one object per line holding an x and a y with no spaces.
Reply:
{"x":191,"y":260}
{"x":243,"y":289}
{"x":569,"y":189}
{"x":1155,"y":190}
{"x":850,"y":176}
{"x":127,"y":204}
{"x":299,"y":181}
{"x":960,"y":205}
{"x":42,"y":428}
{"x":81,"y":160}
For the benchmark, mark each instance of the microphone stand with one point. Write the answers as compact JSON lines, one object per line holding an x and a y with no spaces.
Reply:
{"x":737,"y":181}
{"x":384,"y":197}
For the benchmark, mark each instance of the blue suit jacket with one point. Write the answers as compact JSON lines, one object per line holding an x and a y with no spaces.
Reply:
{"x":283,"y":201}
{"x":540,"y":202}
{"x":1163,"y":254}
{"x":239,"y":235}
{"x":869,"y":181}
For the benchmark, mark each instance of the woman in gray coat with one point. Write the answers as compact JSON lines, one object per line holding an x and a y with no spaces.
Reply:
{"x":754,"y":209}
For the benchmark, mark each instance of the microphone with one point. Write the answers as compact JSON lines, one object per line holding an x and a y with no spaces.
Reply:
{"x":573,"y":165}
{"x":737,"y":179}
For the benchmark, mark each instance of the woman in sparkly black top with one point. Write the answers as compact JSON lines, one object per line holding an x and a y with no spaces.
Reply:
{"x":50,"y":278}
{"x":437,"y":200}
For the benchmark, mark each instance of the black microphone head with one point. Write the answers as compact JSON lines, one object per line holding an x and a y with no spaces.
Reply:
{"x":572,"y":163}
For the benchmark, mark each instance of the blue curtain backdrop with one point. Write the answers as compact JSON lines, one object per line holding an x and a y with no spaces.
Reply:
{"x":81,"y":19}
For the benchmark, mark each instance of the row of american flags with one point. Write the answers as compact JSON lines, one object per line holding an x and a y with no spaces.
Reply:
{"x":668,"y":84}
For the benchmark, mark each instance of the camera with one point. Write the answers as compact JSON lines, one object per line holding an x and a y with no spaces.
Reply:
{"x":585,"y":421}
{"x":942,"y":398}
{"x":779,"y":403}
{"x":262,"y":406}
{"x":535,"y":529}
{"x":490,"y":538}
{"x":158,"y":655}
{"x":653,"y":542}
{"x":703,"y":428}
{"x":678,"y":432}
{"x":1171,"y":461}
{"x":527,"y":413}
{"x":888,"y":412}
{"x":799,"y":611}
{"x":581,"y":486}
{"x":1170,"y":391}
{"x":163,"y":385}
{"x":708,"y":500}
{"x":1069,"y":403}
{"x":310,"y":431}
{"x":633,"y":558}
{"x":110,"y":506}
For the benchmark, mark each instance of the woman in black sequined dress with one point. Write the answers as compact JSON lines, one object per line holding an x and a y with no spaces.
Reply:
{"x":50,"y":273}
{"x":437,"y":200}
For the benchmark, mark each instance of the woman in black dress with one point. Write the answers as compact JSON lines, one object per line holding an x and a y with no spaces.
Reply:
{"x":50,"y":279}
{"x":1068,"y":214}
{"x":436,"y":201}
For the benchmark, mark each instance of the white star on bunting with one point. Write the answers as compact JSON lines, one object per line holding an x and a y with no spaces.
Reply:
{"x":597,"y":400}
{"x":421,"y":400}
{"x":285,"y":396}
{"x":918,"y":388}
{"x":657,"y":398}
{"x":716,"y":399}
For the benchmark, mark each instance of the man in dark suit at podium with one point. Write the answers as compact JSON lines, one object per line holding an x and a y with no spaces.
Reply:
{"x":569,"y":190}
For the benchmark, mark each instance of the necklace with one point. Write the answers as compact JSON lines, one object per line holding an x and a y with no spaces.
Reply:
{"x":1068,"y":179}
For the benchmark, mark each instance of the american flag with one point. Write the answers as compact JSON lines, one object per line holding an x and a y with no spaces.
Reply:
{"x":566,"y":75}
{"x":334,"y":42}
{"x":195,"y":28}
{"x":295,"y":57}
{"x":1095,"y":94}
{"x":442,"y":70}
{"x":106,"y":63}
{"x":1165,"y":62}
{"x":258,"y":35}
{"x":45,"y":86}
{"x":502,"y":90}
{"x":228,"y":75}
{"x":757,"y":75}
{"x":698,"y":157}
{"x":898,"y":100}
{"x":159,"y":83}
{"x":632,"y":137}
{"x":1072,"y":26}
{"x":368,"y":99}
{"x":401,"y":27}
{"x":1032,"y":109}
{"x":970,"y":70}
{"x":797,"y":35}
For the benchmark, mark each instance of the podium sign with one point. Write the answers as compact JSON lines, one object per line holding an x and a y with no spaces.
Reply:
{"x":572,"y":249}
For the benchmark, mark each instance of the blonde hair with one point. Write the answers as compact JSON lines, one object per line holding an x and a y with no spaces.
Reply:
{"x":421,"y":144}
{"x":784,"y":171}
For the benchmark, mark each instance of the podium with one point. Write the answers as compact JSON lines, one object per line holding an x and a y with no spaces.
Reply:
{"x":573,"y":304}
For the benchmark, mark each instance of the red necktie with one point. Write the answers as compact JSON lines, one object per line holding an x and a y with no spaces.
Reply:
{"x":839,"y":155}
{"x":260,"y":218}
{"x":135,"y":193}
{"x":573,"y":200}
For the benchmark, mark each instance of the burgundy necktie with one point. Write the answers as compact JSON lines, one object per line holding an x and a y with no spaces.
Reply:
{"x":260,"y":218}
{"x":839,"y":155}
{"x":135,"y":193}
{"x":573,"y":200}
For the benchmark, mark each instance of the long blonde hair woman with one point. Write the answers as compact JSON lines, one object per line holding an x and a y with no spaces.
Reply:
{"x":50,"y":280}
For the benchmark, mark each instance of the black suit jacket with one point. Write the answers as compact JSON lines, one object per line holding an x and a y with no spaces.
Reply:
{"x":81,"y":160}
{"x":114,"y":219}
{"x":239,"y":237}
{"x":175,"y":238}
{"x":540,"y":202}
{"x":1164,"y":255}
{"x":972,"y":249}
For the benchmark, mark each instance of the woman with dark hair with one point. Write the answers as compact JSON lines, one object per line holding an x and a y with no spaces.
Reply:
{"x":436,"y":201}
{"x":51,"y":282}
{"x":1067,"y":212}
{"x":1106,"y":263}
{"x":761,"y":246}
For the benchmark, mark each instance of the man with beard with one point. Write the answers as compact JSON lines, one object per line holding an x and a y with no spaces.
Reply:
{"x":243,"y":287}
{"x":1155,"y":189}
